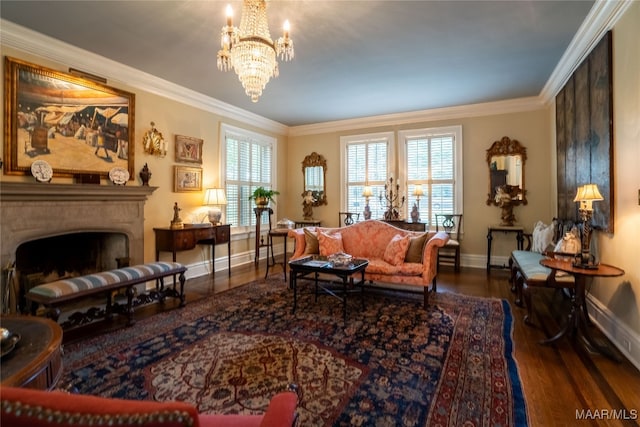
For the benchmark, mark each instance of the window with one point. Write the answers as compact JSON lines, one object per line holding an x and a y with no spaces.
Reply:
{"x":365,"y":161}
{"x":248,"y":163}
{"x":432,"y":159}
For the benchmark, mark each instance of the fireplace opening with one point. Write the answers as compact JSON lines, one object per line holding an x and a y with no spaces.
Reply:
{"x":69,"y":255}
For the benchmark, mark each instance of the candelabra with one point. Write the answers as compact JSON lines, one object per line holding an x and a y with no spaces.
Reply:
{"x":393,"y":200}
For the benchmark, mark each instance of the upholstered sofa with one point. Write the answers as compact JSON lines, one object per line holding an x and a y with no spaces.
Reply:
{"x":22,"y":407}
{"x":395,"y":256}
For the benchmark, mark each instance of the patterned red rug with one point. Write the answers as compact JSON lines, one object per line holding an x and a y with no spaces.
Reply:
{"x":391,"y":364}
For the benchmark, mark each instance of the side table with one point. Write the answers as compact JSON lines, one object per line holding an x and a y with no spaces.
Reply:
{"x":36,"y":360}
{"x":578,"y":318}
{"x":519,"y":232}
{"x":182,"y":239}
{"x":277,"y":232}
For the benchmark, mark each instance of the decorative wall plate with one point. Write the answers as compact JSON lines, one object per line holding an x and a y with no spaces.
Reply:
{"x":119,"y":176}
{"x":41,"y":170}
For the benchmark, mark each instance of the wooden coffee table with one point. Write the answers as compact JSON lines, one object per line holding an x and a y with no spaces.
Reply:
{"x":316,"y":265}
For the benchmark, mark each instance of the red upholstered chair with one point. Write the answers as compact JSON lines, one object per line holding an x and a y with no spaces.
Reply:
{"x":22,"y":407}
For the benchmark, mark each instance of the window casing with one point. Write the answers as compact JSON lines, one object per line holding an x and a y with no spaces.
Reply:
{"x":365,"y":161}
{"x":249,"y":161}
{"x":432,"y":158}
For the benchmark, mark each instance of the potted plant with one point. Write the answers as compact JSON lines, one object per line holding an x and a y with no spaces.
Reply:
{"x":262,"y":196}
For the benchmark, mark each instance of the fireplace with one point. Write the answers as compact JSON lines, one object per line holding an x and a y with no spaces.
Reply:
{"x":48,"y":231}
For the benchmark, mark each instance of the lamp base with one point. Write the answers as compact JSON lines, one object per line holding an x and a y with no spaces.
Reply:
{"x":215,"y":215}
{"x":588,"y":266}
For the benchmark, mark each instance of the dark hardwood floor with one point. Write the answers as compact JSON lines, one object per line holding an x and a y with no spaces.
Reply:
{"x":559,"y":380}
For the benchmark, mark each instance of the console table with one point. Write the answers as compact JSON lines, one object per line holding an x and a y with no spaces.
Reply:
{"x":405,"y":225}
{"x":36,"y":359}
{"x":506,"y":229}
{"x":183,"y":239}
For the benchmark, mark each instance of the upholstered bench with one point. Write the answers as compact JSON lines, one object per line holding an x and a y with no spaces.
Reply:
{"x":55,"y":294}
{"x":527,"y":272}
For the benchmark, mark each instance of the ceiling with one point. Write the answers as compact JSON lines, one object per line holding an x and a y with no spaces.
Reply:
{"x":353,"y":59}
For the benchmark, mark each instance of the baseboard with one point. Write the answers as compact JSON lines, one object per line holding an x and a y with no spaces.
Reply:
{"x":626,"y":340}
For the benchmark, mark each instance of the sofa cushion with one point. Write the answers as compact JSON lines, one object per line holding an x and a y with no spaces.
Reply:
{"x":379,"y":266}
{"x":416,"y":248}
{"x":396,"y":249}
{"x":311,"y":246}
{"x":330,"y":243}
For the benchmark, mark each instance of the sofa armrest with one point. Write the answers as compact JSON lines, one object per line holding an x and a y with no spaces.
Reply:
{"x":430,"y":254}
{"x":299,"y":241}
{"x":281,"y":411}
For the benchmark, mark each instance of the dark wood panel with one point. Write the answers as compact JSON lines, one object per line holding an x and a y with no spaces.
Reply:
{"x":584,"y":134}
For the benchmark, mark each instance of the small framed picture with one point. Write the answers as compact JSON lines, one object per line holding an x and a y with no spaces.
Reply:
{"x":188,"y":149}
{"x":187,"y":179}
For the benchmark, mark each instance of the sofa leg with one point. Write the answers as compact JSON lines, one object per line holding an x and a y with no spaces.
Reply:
{"x":434,"y":285}
{"x":426,"y":297}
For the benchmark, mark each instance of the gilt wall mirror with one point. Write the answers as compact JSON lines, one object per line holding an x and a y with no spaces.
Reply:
{"x":314,"y":174}
{"x":506,"y":159}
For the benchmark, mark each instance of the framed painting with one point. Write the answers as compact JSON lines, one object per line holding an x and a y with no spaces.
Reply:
{"x":188,"y":149}
{"x":187,"y":179}
{"x":77,"y":125}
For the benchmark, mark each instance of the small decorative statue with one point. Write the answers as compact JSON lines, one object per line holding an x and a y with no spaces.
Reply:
{"x":505,"y":201}
{"x":307,"y":205}
{"x":145,"y":175}
{"x":176,"y":222}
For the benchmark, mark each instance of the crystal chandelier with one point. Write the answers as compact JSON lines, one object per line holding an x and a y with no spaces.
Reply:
{"x":249,"y":49}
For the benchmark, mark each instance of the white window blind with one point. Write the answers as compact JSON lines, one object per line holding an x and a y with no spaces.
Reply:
{"x":248,"y":163}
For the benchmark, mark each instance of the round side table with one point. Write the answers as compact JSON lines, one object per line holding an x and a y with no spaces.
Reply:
{"x":36,"y":359}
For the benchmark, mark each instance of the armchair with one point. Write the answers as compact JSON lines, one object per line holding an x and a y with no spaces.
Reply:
{"x":22,"y":407}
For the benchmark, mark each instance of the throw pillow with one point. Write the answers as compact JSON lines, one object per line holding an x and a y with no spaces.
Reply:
{"x":396,"y":249}
{"x":311,"y":243}
{"x":330,"y":243}
{"x":416,"y":248}
{"x":542,"y":236}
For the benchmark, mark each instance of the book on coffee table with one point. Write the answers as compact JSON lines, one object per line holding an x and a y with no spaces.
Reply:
{"x":317,"y":263}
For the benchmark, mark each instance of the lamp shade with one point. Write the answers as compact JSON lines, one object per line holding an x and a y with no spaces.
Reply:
{"x":417,"y":191}
{"x":587,"y":194}
{"x":367,"y":192}
{"x":214,"y":197}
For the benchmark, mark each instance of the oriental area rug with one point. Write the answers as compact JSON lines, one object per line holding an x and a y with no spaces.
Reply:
{"x":390,"y":364}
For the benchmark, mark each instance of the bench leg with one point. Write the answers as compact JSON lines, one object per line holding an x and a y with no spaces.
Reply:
{"x":130,"y":294}
{"x":526,"y":293}
{"x":182,"y":280}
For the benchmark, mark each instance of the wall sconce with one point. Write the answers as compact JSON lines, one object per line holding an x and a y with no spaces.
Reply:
{"x":586,"y":195}
{"x":215,"y":198}
{"x":367,"y":193}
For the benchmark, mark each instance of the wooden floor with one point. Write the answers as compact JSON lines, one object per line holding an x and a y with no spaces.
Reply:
{"x":559,"y":380}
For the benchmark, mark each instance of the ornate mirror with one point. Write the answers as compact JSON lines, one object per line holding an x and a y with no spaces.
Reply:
{"x":506,"y":159}
{"x":314,"y":175}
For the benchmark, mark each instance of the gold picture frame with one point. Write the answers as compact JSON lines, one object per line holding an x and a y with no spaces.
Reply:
{"x":79,"y":126}
{"x":187,"y":179}
{"x":188,"y":149}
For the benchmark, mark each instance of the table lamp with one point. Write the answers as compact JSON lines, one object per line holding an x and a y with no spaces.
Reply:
{"x":367,"y":193}
{"x":215,"y":198}
{"x":415,"y":212}
{"x":586,"y":195}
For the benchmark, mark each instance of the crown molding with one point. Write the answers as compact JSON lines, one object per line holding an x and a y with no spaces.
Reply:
{"x":458,"y":112}
{"x":40,"y":45}
{"x":601,"y":18}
